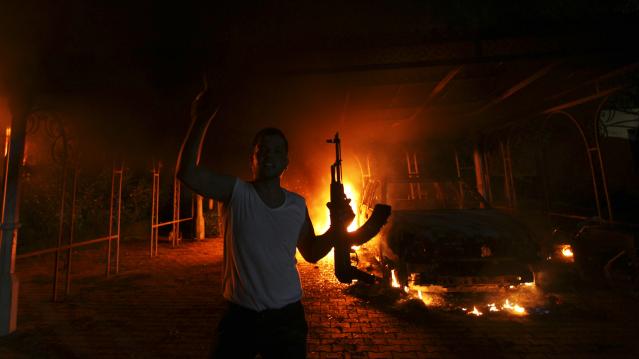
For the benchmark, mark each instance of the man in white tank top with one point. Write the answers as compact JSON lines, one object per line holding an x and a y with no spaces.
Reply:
{"x":263,"y":225}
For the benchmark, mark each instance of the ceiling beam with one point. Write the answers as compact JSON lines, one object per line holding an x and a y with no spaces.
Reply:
{"x":516,"y":88}
{"x":551,"y":110}
{"x":582,"y":100}
{"x":441,"y":85}
{"x":437,"y":90}
{"x":608,"y":75}
{"x":460,"y":54}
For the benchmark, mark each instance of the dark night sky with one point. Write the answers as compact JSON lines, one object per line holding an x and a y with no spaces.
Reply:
{"x":124,"y":72}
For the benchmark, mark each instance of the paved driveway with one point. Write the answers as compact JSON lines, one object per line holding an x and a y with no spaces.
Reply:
{"x":168,"y":306}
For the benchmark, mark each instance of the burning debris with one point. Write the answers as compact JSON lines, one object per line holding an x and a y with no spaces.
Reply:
{"x":527,"y":291}
{"x":521,"y":301}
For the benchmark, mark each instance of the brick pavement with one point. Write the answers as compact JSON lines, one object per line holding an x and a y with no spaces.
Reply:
{"x":167,"y":307}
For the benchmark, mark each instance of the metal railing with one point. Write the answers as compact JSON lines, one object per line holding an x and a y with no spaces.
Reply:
{"x":116,"y":180}
{"x":175,"y":236}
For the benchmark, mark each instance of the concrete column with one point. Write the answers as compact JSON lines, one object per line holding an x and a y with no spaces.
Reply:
{"x":199,"y":218}
{"x":9,"y":284}
{"x":479,"y":170}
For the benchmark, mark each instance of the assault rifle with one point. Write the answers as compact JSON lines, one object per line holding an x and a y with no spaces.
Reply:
{"x":343,"y":240}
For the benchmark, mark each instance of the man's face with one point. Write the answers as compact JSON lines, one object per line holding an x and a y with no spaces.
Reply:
{"x":270,"y":157}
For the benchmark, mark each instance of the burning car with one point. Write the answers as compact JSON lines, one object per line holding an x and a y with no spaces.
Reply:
{"x":443,"y":233}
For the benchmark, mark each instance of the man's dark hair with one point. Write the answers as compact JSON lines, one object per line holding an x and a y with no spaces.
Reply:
{"x":269,"y":131}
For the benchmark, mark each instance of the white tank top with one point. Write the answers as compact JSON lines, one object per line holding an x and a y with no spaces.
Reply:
{"x":259,"y":249}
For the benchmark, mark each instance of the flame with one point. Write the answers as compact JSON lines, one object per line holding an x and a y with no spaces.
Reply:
{"x":355,"y":248}
{"x":394,"y":281}
{"x":421,"y":292}
{"x":507,"y":305}
{"x":427,"y":300}
{"x":566,"y":251}
{"x":519,"y":310}
{"x":406,"y":290}
{"x":514,"y":308}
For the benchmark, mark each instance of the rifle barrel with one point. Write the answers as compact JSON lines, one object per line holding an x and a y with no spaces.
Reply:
{"x":336,"y":168}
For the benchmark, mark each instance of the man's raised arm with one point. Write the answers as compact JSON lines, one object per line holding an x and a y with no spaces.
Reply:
{"x":198,"y":178}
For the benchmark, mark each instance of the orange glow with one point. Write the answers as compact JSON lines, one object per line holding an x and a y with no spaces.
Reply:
{"x":566,"y":251}
{"x":475,"y":312}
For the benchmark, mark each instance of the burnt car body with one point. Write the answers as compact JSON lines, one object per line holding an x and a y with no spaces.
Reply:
{"x":443,"y":233}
